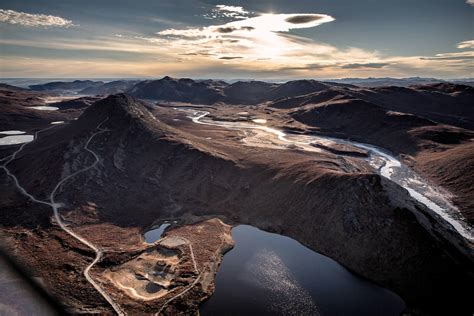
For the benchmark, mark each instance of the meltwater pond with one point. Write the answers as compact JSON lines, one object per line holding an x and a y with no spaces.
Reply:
{"x":270,"y":274}
{"x":155,"y":234}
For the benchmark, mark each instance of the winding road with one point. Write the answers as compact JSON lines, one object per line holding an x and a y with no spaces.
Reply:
{"x":56,"y":206}
{"x":385,"y":164}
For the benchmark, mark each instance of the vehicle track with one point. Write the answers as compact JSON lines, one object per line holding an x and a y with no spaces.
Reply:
{"x":197,"y":271}
{"x":55,"y":206}
{"x":190,"y":245}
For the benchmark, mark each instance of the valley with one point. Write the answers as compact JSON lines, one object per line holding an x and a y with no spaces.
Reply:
{"x":351,"y":178}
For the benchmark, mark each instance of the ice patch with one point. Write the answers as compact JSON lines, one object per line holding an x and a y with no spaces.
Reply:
{"x":259,"y":121}
{"x":44,"y":108}
{"x":13,"y":132}
{"x":56,"y":99}
{"x":15,"y":139}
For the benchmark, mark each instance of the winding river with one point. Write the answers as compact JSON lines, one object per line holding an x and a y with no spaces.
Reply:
{"x":385,"y":165}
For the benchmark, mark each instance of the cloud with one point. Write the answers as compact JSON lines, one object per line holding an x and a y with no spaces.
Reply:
{"x":266,"y":45}
{"x":252,"y":38}
{"x":32,"y":20}
{"x":197,"y":54}
{"x":262,"y":23}
{"x":471,"y":2}
{"x":232,"y":29}
{"x":230,"y":8}
{"x":364,"y":65}
{"x":221,"y":11}
{"x":255,"y":46}
{"x":466,"y":44}
{"x":451,"y":56}
{"x":225,"y":29}
{"x":303,"y":18}
{"x":263,"y":43}
{"x":308,"y":67}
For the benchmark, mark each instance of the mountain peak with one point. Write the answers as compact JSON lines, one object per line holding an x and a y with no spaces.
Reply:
{"x":119,"y":109}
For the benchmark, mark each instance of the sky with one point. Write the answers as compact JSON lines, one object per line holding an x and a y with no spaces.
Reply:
{"x":262,"y":39}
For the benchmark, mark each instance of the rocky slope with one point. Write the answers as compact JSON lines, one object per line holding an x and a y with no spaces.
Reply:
{"x":151,"y":169}
{"x":406,"y":121}
{"x":15,"y":113}
{"x":11,"y":95}
{"x":444,"y":103}
{"x":453,"y":169}
{"x":364,"y":121}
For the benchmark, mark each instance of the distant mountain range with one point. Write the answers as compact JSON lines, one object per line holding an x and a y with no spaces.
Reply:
{"x":402,"y":82}
{"x":442,"y":102}
{"x":108,"y":82}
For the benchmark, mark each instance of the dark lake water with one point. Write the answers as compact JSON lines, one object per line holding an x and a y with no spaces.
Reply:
{"x":269,"y":274}
{"x":154,"y":234}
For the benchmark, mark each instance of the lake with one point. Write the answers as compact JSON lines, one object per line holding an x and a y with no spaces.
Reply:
{"x":270,"y":274}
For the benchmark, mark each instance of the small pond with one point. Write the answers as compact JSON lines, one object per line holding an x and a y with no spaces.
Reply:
{"x":154,"y":234}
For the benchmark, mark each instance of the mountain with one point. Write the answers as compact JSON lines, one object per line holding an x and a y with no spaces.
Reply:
{"x":444,"y":103}
{"x":12,"y":95}
{"x":254,"y":92}
{"x":296,"y":88}
{"x":364,"y":121}
{"x":75,"y":85}
{"x":409,"y":122}
{"x":310,"y":98}
{"x":399,"y":82}
{"x":15,"y":111}
{"x":111,"y":87}
{"x":179,"y":90}
{"x":210,"y":91}
{"x":152,"y":165}
{"x":6,"y":87}
{"x":247,"y":92}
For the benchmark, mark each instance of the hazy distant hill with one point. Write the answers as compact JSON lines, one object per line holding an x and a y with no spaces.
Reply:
{"x":402,"y":82}
{"x":111,"y":87}
{"x":180,"y":90}
{"x":75,"y":85}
